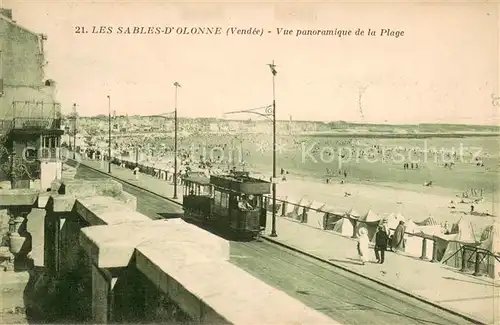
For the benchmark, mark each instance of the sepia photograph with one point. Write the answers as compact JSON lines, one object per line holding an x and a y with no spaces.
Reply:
{"x":238,"y":162}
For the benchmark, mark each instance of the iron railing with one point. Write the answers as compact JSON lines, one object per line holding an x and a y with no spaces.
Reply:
{"x":20,"y":123}
{"x":36,"y":123}
{"x":473,"y":258}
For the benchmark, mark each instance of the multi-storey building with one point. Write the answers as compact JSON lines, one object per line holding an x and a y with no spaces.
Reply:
{"x":30,"y":116}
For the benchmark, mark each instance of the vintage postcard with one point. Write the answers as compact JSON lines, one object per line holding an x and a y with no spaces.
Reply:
{"x":235,"y":162}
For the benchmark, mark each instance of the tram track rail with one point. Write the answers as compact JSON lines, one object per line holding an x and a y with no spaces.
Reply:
{"x":304,"y":263}
{"x":418,"y":314}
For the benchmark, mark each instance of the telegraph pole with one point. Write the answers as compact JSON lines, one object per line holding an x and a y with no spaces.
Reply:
{"x":177,"y":85}
{"x":74,"y":131}
{"x":109,"y":134}
{"x":1,"y":73}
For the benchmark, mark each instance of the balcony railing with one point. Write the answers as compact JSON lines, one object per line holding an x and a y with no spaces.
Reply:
{"x":20,"y":123}
{"x":36,"y":123}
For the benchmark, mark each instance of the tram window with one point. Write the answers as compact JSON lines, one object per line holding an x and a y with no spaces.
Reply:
{"x":224,"y":201}
{"x":252,"y":200}
{"x":217,"y":197}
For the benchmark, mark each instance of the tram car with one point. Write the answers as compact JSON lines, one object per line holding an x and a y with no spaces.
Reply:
{"x":232,"y":203}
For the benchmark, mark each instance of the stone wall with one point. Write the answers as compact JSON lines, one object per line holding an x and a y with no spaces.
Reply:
{"x":103,"y":262}
{"x":4,"y":226}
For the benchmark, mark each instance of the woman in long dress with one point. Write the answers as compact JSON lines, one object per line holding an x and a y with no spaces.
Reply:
{"x":363,"y":242}
{"x":398,"y":238}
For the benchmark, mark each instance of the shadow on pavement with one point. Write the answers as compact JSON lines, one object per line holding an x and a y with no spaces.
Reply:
{"x":478,"y":281}
{"x":346,"y":261}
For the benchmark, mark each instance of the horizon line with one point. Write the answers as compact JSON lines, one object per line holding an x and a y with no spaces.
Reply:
{"x":387,"y":123}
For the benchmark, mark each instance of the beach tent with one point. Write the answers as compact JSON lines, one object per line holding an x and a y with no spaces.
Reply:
{"x":370,"y":217}
{"x":393,"y":220}
{"x":452,"y":256}
{"x":410,"y":226}
{"x":279,"y":203}
{"x":294,"y":209}
{"x":316,"y":205}
{"x":430,"y":221}
{"x":490,"y":241}
{"x":331,"y":215}
{"x":344,"y":227}
{"x":428,"y":226}
{"x":305,"y":201}
{"x":315,"y":214}
{"x":370,"y":221}
{"x":291,"y":201}
{"x":490,"y":238}
{"x":334,"y":211}
{"x":353,"y":214}
{"x":294,"y":200}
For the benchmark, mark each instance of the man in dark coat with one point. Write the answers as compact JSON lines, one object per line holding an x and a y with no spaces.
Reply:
{"x":381,"y":239}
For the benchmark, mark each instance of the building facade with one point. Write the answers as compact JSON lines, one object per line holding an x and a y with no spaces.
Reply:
{"x":29,"y":114}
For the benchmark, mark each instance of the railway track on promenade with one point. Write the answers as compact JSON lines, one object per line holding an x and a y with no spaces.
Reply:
{"x":341,"y":295}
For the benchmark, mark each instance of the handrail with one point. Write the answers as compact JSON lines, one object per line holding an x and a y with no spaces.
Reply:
{"x":479,"y":254}
{"x":475,"y":249}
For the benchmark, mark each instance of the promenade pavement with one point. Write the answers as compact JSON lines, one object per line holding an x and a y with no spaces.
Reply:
{"x":476,"y":297}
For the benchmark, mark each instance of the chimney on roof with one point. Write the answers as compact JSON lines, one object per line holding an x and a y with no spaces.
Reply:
{"x":6,"y":12}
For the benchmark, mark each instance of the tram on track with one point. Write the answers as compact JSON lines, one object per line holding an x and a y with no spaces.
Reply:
{"x":232,"y":203}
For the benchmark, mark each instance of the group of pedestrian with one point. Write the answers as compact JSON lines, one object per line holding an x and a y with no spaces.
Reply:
{"x":383,"y":241}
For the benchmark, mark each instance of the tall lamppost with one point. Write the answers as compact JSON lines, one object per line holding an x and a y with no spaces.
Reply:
{"x":272,"y":66}
{"x":269,"y":110}
{"x":109,"y":134}
{"x":177,"y":86}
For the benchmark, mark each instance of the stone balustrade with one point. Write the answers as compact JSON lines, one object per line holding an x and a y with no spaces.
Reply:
{"x":96,"y":259}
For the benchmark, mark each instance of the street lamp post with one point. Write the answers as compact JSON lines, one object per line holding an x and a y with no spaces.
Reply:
{"x":273,"y":230}
{"x":74,"y":131}
{"x":177,"y":85}
{"x":267,"y":115}
{"x":109,"y":134}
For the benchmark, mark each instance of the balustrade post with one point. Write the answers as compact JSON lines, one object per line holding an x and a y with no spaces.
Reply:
{"x":477,"y":268}
{"x":19,"y":238}
{"x":304,"y":215}
{"x":354,"y":227}
{"x":283,"y":208}
{"x":434,"y":250}
{"x":464,"y":249}
{"x":424,"y":249}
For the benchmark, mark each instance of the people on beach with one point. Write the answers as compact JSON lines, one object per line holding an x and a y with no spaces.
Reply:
{"x":363,"y":242}
{"x":381,"y":238}
{"x":398,"y":237}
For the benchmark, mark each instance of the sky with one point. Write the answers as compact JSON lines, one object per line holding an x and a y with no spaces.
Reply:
{"x":444,"y":69}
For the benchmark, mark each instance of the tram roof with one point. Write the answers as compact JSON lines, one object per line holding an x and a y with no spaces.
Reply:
{"x":241,"y":183}
{"x":198,"y":179}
